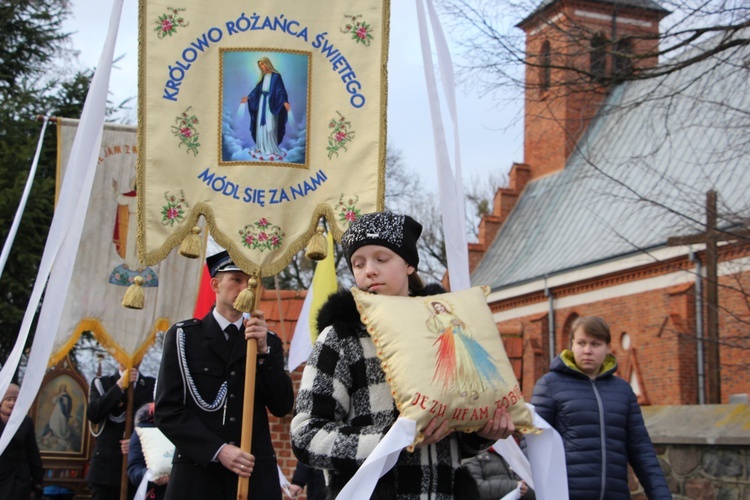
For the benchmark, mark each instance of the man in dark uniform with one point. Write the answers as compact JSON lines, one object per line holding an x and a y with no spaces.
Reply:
{"x":200,"y":393}
{"x":107,"y":407}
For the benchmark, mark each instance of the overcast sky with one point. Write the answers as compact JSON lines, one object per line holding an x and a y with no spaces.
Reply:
{"x":487,"y":142}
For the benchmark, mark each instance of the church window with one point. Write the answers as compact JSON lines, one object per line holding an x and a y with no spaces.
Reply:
{"x":545,"y":66}
{"x":598,"y":57}
{"x":623,"y":58}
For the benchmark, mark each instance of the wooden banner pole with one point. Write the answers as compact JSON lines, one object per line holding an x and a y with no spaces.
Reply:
{"x":124,"y":480}
{"x":248,"y":406}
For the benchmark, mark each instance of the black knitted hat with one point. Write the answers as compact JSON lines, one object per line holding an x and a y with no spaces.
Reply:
{"x":396,"y":232}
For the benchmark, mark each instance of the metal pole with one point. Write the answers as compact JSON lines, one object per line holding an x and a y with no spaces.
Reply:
{"x":550,"y":320}
{"x":699,"y":327}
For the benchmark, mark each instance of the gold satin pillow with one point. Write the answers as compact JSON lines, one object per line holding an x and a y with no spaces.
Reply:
{"x":443,"y":356}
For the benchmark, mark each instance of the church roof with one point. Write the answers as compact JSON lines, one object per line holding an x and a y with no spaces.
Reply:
{"x":636,"y":4}
{"x":639,"y":175}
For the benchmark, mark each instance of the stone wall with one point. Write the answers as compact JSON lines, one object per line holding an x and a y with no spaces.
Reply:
{"x":703,"y":472}
{"x":703,"y":450}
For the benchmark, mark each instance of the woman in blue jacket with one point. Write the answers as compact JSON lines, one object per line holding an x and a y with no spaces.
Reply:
{"x":598,"y":416}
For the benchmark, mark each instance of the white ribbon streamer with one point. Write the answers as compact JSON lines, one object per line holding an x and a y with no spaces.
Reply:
{"x":513,"y":495}
{"x":547,"y":457}
{"x":381,"y":460}
{"x":284,"y":482}
{"x":544,"y":470}
{"x":63,"y":239}
{"x":24,"y":198}
{"x":451,"y":188}
{"x":511,"y":452}
{"x":301,"y":346}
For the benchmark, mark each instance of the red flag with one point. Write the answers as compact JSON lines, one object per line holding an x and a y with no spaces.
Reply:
{"x":206,"y":296}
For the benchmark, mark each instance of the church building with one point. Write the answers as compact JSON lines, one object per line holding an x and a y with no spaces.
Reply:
{"x":631,"y":204}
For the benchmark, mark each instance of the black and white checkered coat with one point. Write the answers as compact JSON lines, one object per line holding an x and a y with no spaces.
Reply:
{"x":345,"y":407}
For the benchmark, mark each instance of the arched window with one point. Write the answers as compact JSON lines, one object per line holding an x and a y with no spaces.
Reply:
{"x":598,"y":57}
{"x":546,"y":66}
{"x":566,"y":333}
{"x":623,"y":58}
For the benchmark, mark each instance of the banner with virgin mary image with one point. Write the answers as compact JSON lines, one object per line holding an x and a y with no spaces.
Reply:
{"x":107,"y":262}
{"x":261,"y":117}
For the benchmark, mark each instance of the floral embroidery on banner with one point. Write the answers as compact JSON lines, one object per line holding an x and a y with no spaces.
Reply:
{"x":262,"y":235}
{"x":174,"y":210}
{"x":348,"y":211}
{"x":168,"y":23}
{"x":185,"y":130}
{"x":341,"y":134}
{"x":361,"y":31}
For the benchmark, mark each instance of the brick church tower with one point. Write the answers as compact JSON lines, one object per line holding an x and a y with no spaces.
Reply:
{"x":575,"y":49}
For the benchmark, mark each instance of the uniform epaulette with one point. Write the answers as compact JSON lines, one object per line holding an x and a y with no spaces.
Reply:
{"x":188,"y":323}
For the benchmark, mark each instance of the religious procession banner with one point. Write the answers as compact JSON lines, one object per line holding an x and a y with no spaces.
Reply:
{"x":107,"y":262}
{"x":262,"y":117}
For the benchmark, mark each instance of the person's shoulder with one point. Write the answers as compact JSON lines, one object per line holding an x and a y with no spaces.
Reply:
{"x":185,"y":325}
{"x":550,"y":376}
{"x":273,"y":337}
{"x":189,"y":323}
{"x":340,"y":311}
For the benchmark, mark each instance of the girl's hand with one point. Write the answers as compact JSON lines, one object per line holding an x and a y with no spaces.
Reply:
{"x":434,"y":432}
{"x":500,"y":427}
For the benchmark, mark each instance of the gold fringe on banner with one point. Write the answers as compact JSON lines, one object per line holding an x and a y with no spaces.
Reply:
{"x":135,"y":297}
{"x":104,"y":338}
{"x":245,"y":301}
{"x":192,"y":245}
{"x":317,"y":247}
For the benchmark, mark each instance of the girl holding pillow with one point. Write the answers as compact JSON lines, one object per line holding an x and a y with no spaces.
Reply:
{"x":344,"y":406}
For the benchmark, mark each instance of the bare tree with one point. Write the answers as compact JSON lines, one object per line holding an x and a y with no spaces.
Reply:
{"x":493,"y":40}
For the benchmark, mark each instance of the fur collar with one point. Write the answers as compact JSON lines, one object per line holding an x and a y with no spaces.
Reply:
{"x":340,"y":310}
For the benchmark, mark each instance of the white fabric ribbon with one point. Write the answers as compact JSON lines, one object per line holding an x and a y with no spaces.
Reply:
{"x":140,"y":493}
{"x":451,"y":186}
{"x":63,"y":240}
{"x":381,"y":460}
{"x":513,"y":495}
{"x":284,"y":482}
{"x":24,"y":198}
{"x":544,"y":470}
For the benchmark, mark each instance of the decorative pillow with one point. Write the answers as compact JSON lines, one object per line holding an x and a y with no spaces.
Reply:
{"x":157,"y":450}
{"x":443,"y":356}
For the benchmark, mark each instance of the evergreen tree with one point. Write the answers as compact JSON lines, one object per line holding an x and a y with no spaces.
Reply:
{"x":33,"y":42}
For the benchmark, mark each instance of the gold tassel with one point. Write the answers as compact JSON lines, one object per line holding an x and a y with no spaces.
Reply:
{"x":192,"y":245}
{"x":317,"y":247}
{"x":245,"y":301}
{"x":135,"y":297}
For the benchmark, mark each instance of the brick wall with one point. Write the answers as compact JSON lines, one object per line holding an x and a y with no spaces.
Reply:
{"x":280,"y":428}
{"x":661,"y":330}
